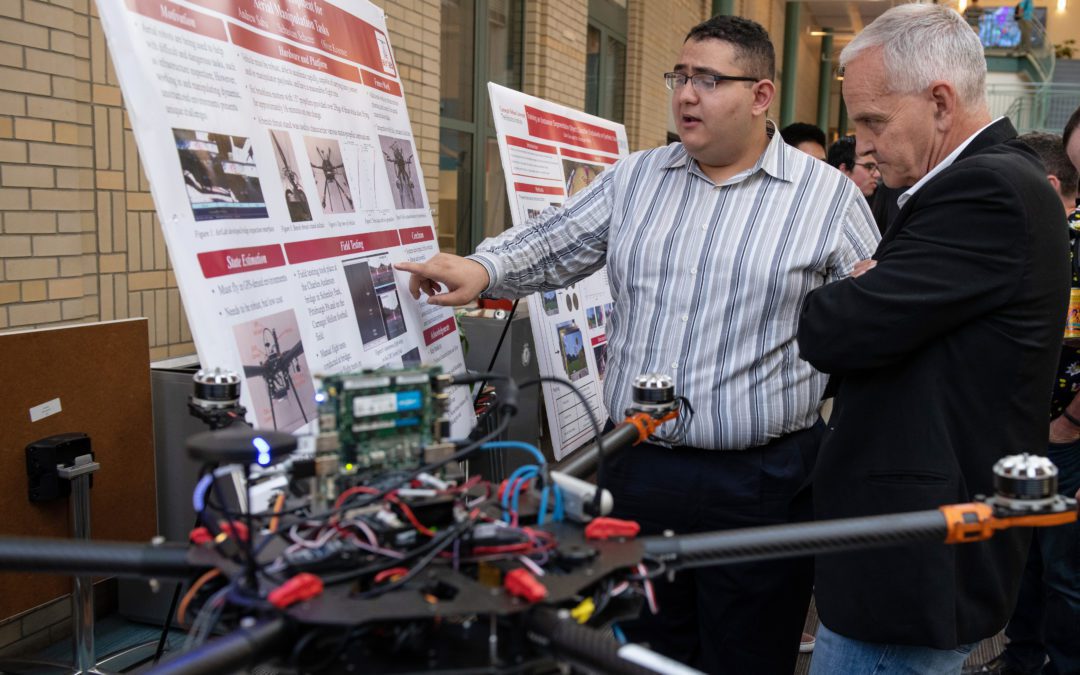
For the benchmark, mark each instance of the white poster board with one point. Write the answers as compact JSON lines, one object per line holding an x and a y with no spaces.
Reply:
{"x":550,"y":152}
{"x":282,"y":164}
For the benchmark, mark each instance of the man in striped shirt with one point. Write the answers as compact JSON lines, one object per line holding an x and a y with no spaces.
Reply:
{"x":711,"y":245}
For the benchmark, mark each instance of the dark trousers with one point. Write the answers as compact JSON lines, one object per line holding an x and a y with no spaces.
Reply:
{"x":744,"y":618}
{"x":1046,"y":621}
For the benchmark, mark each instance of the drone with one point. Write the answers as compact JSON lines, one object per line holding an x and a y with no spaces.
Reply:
{"x":414,"y":570}
{"x":295,"y":197}
{"x":276,"y":370}
{"x":330,"y":173}
{"x":402,"y":179}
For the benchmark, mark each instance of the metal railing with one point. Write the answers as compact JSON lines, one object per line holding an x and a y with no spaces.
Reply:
{"x":999,"y":33}
{"x":1034,"y":106}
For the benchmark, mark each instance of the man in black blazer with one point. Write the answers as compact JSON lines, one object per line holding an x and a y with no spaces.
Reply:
{"x":944,"y":347}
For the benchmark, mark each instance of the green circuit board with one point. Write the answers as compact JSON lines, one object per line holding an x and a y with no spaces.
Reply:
{"x":383,"y":418}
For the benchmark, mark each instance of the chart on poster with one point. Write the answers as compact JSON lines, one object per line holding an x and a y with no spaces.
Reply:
{"x":549,"y":153}
{"x":276,"y":140}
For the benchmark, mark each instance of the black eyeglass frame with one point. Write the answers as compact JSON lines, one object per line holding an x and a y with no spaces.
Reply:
{"x":670,"y":78}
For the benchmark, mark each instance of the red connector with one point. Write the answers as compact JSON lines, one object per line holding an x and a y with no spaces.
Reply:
{"x":521,"y":583}
{"x":235,"y":530}
{"x":200,"y":536}
{"x":606,"y":528}
{"x":302,"y":587}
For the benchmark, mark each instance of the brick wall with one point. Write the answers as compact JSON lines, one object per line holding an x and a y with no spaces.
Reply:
{"x":555,"y":32}
{"x":79,"y":239}
{"x":655,"y":33}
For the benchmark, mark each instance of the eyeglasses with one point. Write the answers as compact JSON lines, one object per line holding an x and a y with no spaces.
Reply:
{"x":702,"y":82}
{"x":869,"y":166}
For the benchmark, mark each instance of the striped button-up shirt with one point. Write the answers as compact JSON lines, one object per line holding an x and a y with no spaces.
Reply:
{"x":708,"y":279}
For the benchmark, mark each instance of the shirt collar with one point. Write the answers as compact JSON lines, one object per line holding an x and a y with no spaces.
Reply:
{"x":772,"y":161}
{"x":941,"y":166}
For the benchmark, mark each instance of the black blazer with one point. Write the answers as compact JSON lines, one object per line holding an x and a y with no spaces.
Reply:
{"x":946,"y":353}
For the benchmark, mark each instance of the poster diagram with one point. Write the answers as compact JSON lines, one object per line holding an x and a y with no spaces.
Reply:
{"x":276,"y":371}
{"x":401,"y":166}
{"x":328,"y":170}
{"x":277,"y":143}
{"x":219,"y":175}
{"x":295,"y":198}
{"x":550,"y":153}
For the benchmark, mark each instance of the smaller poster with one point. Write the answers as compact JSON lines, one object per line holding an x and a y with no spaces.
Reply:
{"x":550,"y":153}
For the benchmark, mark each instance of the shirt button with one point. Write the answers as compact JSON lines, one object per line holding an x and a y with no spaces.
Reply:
{"x":704,"y":227}
{"x":674,"y":365}
{"x":693,"y":270}
{"x":685,"y":317}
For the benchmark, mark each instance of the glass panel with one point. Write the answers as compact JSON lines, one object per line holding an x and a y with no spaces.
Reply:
{"x":505,"y":37}
{"x":592,"y":71}
{"x":455,"y":190}
{"x":496,"y":209}
{"x":457,"y":43}
{"x":616,"y":85}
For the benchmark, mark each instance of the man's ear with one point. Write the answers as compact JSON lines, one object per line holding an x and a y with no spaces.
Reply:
{"x":944,"y":98}
{"x":1055,"y":182}
{"x":764,"y":93}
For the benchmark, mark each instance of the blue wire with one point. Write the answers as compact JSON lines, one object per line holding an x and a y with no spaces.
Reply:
{"x":522,"y":472}
{"x":619,"y":635}
{"x":543,"y":507}
{"x":517,"y":493}
{"x":560,"y":513}
{"x":198,"y":499}
{"x":494,"y":445}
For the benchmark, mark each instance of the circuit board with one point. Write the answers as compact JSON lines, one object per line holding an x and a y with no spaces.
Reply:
{"x":383,"y":418}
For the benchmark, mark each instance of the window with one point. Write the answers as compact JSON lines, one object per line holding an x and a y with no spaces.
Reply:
{"x":470,"y":171}
{"x":605,"y":60}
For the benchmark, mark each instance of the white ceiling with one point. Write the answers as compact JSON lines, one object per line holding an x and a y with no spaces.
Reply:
{"x":845,"y":17}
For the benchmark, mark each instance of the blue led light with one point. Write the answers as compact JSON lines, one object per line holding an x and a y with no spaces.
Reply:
{"x":264,"y":450}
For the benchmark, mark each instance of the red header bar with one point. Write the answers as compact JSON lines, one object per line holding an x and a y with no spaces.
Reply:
{"x":589,"y":158}
{"x":415,"y":235}
{"x":383,"y":84}
{"x":572,"y":132}
{"x":439,"y":331}
{"x":276,"y":49}
{"x":316,"y":24}
{"x":529,"y":145}
{"x":539,"y":189}
{"x":180,"y":17}
{"x":599,"y":340}
{"x":333,"y":247}
{"x":240,"y":260}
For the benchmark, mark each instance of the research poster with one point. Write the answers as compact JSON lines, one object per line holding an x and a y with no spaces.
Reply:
{"x":276,"y":140}
{"x":549,"y":153}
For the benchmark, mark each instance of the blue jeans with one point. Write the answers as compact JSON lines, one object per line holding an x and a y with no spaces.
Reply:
{"x":835,"y":654}
{"x":1046,"y":621}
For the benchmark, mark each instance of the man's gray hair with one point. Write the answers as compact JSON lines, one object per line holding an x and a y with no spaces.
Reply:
{"x":922,"y":44}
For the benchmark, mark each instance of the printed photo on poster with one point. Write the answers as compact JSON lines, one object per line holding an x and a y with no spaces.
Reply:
{"x":219,"y":175}
{"x":400,"y":163}
{"x":411,"y":358}
{"x":295,"y":197}
{"x":579,"y":175}
{"x":551,"y":302}
{"x":276,"y":372}
{"x":600,"y":356}
{"x":328,"y":168}
{"x":375,"y":299}
{"x":573,"y":351}
{"x":595,"y":316}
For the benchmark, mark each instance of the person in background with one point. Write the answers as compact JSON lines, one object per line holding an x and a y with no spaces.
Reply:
{"x":806,"y":137}
{"x":1025,"y":15}
{"x":1046,"y":621}
{"x":711,"y":244}
{"x":942,"y":348}
{"x":864,"y":174}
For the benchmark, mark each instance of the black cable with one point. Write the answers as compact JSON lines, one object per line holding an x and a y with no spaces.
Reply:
{"x":498,"y":347}
{"x":450,"y":535}
{"x":596,"y":430}
{"x":166,"y":626}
